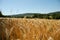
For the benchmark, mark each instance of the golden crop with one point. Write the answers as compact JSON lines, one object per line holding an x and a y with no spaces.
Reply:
{"x":29,"y":29}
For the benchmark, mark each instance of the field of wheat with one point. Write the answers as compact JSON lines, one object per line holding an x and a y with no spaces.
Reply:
{"x":29,"y":29}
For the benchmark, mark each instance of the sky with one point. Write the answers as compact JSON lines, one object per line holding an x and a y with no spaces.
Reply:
{"x":11,"y":7}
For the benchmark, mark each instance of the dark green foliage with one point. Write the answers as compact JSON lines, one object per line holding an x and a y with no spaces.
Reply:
{"x":1,"y":14}
{"x":53,"y":15}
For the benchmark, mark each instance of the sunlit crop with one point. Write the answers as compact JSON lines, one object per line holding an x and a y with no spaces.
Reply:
{"x":29,"y":29}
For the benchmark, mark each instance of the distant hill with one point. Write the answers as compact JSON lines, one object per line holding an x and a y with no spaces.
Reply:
{"x":55,"y":15}
{"x":24,"y":15}
{"x":52,"y":15}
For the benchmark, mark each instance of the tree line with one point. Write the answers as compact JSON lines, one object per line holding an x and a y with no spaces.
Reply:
{"x":53,"y":15}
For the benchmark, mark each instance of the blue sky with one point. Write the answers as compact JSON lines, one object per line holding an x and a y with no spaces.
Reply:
{"x":10,"y":7}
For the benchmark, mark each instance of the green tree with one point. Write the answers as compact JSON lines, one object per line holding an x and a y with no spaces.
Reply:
{"x":1,"y":14}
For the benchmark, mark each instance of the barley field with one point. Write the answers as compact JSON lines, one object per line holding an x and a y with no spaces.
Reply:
{"x":29,"y":29}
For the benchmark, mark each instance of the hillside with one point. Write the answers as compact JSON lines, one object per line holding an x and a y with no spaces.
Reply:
{"x":52,"y":15}
{"x":29,"y":29}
